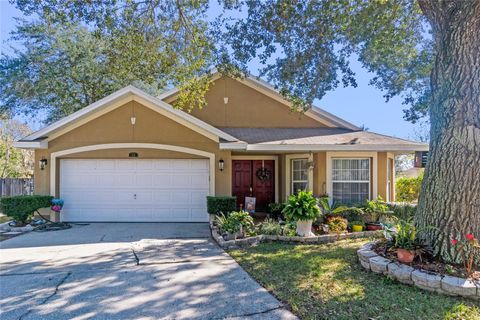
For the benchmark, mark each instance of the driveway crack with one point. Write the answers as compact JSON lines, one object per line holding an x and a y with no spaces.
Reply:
{"x":136,"y":257}
{"x":57,"y":287}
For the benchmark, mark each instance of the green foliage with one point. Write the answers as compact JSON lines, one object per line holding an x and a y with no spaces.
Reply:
{"x":405,"y":235}
{"x":221,"y":204}
{"x":375,"y":210}
{"x":301,"y":206}
{"x":276,"y":210}
{"x":316,"y":39}
{"x":270,"y":227}
{"x":335,"y":210}
{"x":21,"y":208}
{"x":403,"y":211}
{"x":408,"y":189}
{"x":14,"y":162}
{"x":357,"y":223}
{"x":337,"y":224}
{"x":235,"y":222}
{"x":77,"y":52}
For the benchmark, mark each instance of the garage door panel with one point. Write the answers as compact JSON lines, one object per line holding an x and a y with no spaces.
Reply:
{"x":105,"y":189}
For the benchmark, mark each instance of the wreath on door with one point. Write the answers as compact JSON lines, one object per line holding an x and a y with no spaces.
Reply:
{"x":263,"y":174}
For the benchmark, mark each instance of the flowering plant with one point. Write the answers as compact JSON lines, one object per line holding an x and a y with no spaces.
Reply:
{"x":57,"y":205}
{"x":469,"y":250}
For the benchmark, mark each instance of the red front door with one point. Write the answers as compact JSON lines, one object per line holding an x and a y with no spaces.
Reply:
{"x":254,"y":178}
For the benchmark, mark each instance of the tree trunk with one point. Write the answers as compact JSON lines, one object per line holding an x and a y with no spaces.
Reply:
{"x":450,"y":196}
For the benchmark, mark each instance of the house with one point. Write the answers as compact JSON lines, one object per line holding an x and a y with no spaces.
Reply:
{"x":134,"y":157}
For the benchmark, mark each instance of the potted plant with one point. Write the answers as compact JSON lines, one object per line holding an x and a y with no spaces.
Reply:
{"x":405,"y":241}
{"x":337,"y":224}
{"x":374,"y":210}
{"x":303,"y":209}
{"x":357,"y":226}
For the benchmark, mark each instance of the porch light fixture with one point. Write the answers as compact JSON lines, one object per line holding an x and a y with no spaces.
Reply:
{"x":225,"y":100}
{"x":133,"y":120}
{"x":42,"y":163}
{"x":221,"y":164}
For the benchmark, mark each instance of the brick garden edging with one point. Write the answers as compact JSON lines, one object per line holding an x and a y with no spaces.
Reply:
{"x":430,"y":281}
{"x":326,"y":238}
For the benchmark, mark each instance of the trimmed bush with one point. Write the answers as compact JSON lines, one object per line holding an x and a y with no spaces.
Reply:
{"x":21,"y":208}
{"x":224,"y":204}
{"x":403,"y":211}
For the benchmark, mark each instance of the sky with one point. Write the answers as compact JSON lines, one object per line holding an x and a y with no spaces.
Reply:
{"x":362,"y":106}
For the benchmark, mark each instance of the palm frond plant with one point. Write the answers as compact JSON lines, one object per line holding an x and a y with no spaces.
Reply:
{"x":334,"y":209}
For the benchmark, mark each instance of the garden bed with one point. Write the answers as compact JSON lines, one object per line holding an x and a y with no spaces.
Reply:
{"x":255,"y":240}
{"x":417,"y":276}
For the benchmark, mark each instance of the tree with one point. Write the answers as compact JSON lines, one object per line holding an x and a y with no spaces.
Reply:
{"x":14,"y":163}
{"x":426,"y":51}
{"x":76,"y":52}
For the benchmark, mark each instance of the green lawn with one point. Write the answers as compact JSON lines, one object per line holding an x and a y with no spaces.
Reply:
{"x":327,"y":282}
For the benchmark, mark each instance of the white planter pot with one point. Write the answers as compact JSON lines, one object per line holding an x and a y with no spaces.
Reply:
{"x":304,"y":228}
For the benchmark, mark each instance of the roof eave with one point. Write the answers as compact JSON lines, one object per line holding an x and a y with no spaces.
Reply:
{"x":323,"y":147}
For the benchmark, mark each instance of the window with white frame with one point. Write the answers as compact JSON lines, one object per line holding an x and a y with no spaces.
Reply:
{"x":351,"y":180}
{"x":299,"y":178}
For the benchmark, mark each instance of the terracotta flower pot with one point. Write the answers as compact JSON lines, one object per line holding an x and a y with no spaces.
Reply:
{"x":405,"y":256}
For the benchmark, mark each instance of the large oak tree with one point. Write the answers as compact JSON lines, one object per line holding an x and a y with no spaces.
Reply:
{"x":427,"y":51}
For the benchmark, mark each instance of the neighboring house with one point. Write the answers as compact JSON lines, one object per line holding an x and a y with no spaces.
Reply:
{"x":133,"y":157}
{"x":411,"y":173}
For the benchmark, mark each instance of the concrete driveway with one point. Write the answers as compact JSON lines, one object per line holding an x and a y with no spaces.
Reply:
{"x":127,"y":271}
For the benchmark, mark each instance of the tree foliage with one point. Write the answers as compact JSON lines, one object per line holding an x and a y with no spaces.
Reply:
{"x":315,"y":39}
{"x":77,"y":52}
{"x":14,"y":163}
{"x":407,"y":189}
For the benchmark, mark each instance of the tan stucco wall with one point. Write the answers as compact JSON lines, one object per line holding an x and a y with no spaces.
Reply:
{"x":115,"y":127}
{"x":382,"y":174}
{"x":247,"y":108}
{"x":320,"y":173}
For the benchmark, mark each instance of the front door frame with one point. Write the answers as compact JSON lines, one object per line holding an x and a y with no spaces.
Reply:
{"x":262,"y":157}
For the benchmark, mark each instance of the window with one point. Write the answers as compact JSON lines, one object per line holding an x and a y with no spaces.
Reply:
{"x":299,"y":175}
{"x":351,"y":180}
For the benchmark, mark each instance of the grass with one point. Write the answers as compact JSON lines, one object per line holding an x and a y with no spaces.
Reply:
{"x":327,"y":282}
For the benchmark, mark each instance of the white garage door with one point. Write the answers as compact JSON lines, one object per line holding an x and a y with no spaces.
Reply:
{"x":160,"y":190}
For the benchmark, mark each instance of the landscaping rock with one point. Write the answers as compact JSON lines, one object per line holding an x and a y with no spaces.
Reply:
{"x":379,"y":264}
{"x":424,"y":280}
{"x":283,"y":238}
{"x":364,"y":257}
{"x":401,"y":272}
{"x":459,"y":286}
{"x":311,"y":240}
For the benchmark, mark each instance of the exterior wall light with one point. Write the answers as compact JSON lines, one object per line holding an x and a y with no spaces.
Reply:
{"x":133,"y":120}
{"x":225,"y":100}
{"x":42,"y":163}
{"x":221,"y":164}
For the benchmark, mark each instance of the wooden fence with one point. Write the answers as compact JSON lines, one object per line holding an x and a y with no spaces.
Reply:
{"x":15,"y":187}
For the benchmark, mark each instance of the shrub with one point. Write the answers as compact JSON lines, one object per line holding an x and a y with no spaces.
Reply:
{"x":21,"y":208}
{"x":337,"y":224}
{"x":301,"y":206}
{"x":270,"y":227}
{"x":276,"y":210}
{"x":375,"y":209}
{"x":224,"y":204}
{"x":404,"y":211}
{"x":407,"y":189}
{"x":235,"y":222}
